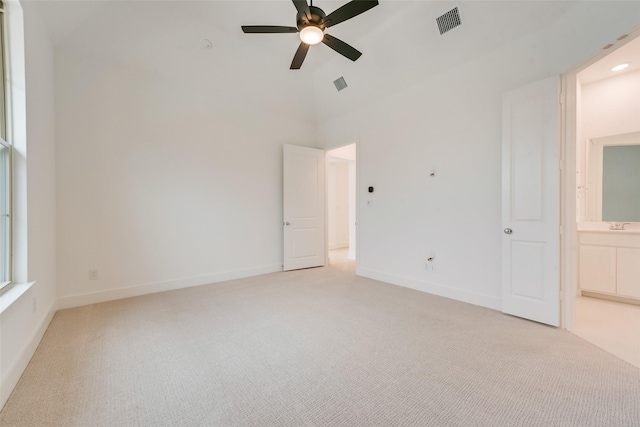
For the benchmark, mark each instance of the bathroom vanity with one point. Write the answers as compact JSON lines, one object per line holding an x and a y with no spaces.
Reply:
{"x":610,"y":262}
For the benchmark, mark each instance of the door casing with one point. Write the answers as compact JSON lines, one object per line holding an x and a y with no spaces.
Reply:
{"x":568,"y":224}
{"x":326,"y":202}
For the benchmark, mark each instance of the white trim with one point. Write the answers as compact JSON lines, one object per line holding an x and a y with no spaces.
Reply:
{"x":7,"y":141}
{"x":569,"y":131}
{"x":494,"y":303}
{"x":15,"y":371}
{"x":150,"y":288}
{"x":596,"y":157}
{"x":12,"y":294}
{"x":352,"y":255}
{"x":568,"y":224}
{"x":358,"y":207}
{"x":342,"y":245}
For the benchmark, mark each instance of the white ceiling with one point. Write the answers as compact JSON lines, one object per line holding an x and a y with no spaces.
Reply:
{"x":347,"y":152}
{"x":407,"y":48}
{"x":64,"y":19}
{"x":399,"y":40}
{"x":402,"y":27}
{"x":626,"y":54}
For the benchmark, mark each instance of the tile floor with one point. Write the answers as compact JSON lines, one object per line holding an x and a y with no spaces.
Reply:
{"x":338,"y":258}
{"x":612,"y":326}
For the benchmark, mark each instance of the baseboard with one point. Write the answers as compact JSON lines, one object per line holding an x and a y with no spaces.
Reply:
{"x":338,"y":246}
{"x":150,"y":288}
{"x":15,"y":371}
{"x":609,"y":297}
{"x":435,"y":289}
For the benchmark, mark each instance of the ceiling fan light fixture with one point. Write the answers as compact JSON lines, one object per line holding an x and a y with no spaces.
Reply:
{"x":620,"y":67}
{"x":311,"y":35}
{"x":311,"y":21}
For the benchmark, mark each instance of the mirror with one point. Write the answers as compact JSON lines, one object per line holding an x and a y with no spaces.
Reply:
{"x":613,"y":185}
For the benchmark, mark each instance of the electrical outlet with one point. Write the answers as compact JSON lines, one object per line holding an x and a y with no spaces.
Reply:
{"x":93,"y":274}
{"x":431,"y":262}
{"x":430,"y":266}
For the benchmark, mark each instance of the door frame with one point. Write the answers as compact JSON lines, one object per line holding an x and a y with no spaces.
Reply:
{"x":328,"y":148}
{"x":568,"y":187}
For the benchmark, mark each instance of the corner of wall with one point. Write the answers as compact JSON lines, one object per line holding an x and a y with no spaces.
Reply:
{"x":11,"y":375}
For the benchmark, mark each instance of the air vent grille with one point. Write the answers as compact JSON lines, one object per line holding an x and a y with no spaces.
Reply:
{"x":449,"y":21}
{"x":340,"y":84}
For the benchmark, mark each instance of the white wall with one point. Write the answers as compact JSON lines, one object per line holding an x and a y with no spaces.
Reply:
{"x":346,"y":153}
{"x":169,"y":154}
{"x":448,"y":119}
{"x":24,"y":322}
{"x":611,"y":106}
{"x":338,"y":204}
{"x":342,"y":205}
{"x":352,"y":209}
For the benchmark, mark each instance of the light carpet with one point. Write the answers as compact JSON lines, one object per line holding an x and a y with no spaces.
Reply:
{"x":316,"y":347}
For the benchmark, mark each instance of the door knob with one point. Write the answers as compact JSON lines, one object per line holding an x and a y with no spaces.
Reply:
{"x":508,"y":231}
{"x":287,"y":223}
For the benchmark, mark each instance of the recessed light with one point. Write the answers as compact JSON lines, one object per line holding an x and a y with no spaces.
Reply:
{"x":619,"y":67}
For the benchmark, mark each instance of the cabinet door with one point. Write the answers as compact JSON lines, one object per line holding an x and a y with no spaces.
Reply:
{"x":598,"y":269}
{"x":629,"y":272}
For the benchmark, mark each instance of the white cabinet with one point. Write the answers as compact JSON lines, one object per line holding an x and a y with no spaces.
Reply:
{"x":610,"y":263}
{"x":628,"y":272}
{"x":598,"y":269}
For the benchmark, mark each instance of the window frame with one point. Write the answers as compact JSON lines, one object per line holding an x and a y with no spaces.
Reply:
{"x":5,"y":141}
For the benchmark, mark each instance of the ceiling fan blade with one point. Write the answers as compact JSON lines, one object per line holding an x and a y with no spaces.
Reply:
{"x":302,"y":7}
{"x":264,"y":29}
{"x":348,"y":11}
{"x":341,"y":47}
{"x":298,"y":58}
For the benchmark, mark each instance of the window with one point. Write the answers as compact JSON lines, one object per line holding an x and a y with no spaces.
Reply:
{"x":5,"y":169}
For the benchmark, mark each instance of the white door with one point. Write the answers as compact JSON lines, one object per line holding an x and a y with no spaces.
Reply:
{"x":530,"y":202}
{"x":304,"y":237}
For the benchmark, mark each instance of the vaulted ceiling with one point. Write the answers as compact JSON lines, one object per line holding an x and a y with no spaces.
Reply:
{"x":400,"y":41}
{"x":219,"y":21}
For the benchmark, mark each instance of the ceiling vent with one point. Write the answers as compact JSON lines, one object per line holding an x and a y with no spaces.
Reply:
{"x":340,"y":84}
{"x":449,"y":21}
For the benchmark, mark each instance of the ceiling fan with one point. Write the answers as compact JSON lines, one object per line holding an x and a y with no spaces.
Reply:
{"x":311,"y":23}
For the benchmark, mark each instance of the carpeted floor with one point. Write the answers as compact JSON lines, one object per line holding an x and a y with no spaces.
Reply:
{"x":314,"y":347}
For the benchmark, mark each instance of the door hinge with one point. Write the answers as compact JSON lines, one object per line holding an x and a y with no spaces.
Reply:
{"x":562,"y":98}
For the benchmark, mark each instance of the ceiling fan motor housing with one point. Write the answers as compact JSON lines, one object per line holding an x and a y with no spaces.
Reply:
{"x":317,"y":16}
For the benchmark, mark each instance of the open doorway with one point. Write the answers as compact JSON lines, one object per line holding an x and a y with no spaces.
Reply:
{"x":341,"y":207}
{"x":602,"y":299}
